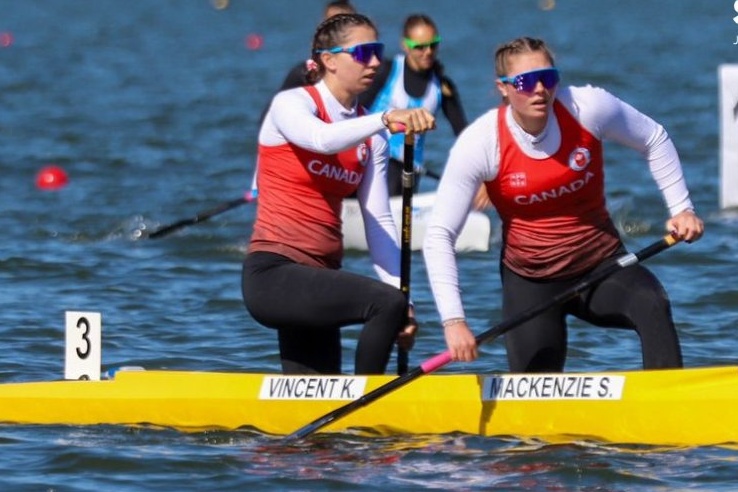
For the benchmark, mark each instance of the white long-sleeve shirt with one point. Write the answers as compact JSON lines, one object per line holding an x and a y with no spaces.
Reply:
{"x":475,"y":158}
{"x":292,"y":118}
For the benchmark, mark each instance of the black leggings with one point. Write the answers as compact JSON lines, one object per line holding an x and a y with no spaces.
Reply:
{"x":308,"y":306}
{"x":632,"y":298}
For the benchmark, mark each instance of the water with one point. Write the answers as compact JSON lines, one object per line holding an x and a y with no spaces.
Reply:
{"x":152,"y":108}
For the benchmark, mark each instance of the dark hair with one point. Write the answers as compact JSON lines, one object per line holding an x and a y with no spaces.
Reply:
{"x":417,"y":20}
{"x":516,"y":47}
{"x":332,"y":32}
{"x":343,"y":5}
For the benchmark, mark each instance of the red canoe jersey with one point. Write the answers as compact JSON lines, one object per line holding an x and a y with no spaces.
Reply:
{"x":300,"y":198}
{"x":553,"y":209}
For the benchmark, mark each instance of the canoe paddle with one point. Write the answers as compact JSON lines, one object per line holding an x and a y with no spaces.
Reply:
{"x":202,"y":216}
{"x":408,"y":183}
{"x":229,"y":205}
{"x":444,"y":358}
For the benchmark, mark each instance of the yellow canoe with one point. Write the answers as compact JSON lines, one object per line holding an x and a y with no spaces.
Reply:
{"x":667,"y":407}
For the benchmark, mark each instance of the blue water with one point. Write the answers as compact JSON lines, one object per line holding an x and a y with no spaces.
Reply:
{"x":152,"y":108}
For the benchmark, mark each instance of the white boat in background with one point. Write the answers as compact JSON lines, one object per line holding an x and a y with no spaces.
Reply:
{"x":474,"y":237}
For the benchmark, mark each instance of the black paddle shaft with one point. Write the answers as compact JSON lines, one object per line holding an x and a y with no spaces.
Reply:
{"x":202,"y":216}
{"x":408,"y":183}
{"x":588,"y":282}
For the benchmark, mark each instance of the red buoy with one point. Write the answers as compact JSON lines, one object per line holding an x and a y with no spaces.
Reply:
{"x":51,"y":178}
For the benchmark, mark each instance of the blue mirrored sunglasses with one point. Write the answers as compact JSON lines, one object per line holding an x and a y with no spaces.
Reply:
{"x":361,"y":53}
{"x":527,"y":81}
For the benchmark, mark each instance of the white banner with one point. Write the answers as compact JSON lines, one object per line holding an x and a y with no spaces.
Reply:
{"x":312,"y":387}
{"x":553,"y":387}
{"x":728,"y":76}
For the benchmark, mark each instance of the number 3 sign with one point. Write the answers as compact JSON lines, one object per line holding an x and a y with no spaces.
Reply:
{"x":83,"y":345}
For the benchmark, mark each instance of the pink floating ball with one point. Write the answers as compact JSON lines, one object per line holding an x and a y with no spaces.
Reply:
{"x":6,"y":39}
{"x":254,"y":41}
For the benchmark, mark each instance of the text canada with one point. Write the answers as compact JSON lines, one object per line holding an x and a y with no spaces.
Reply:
{"x":555,"y":193}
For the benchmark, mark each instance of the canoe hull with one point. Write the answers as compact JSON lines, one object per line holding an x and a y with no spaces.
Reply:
{"x":675,"y":407}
